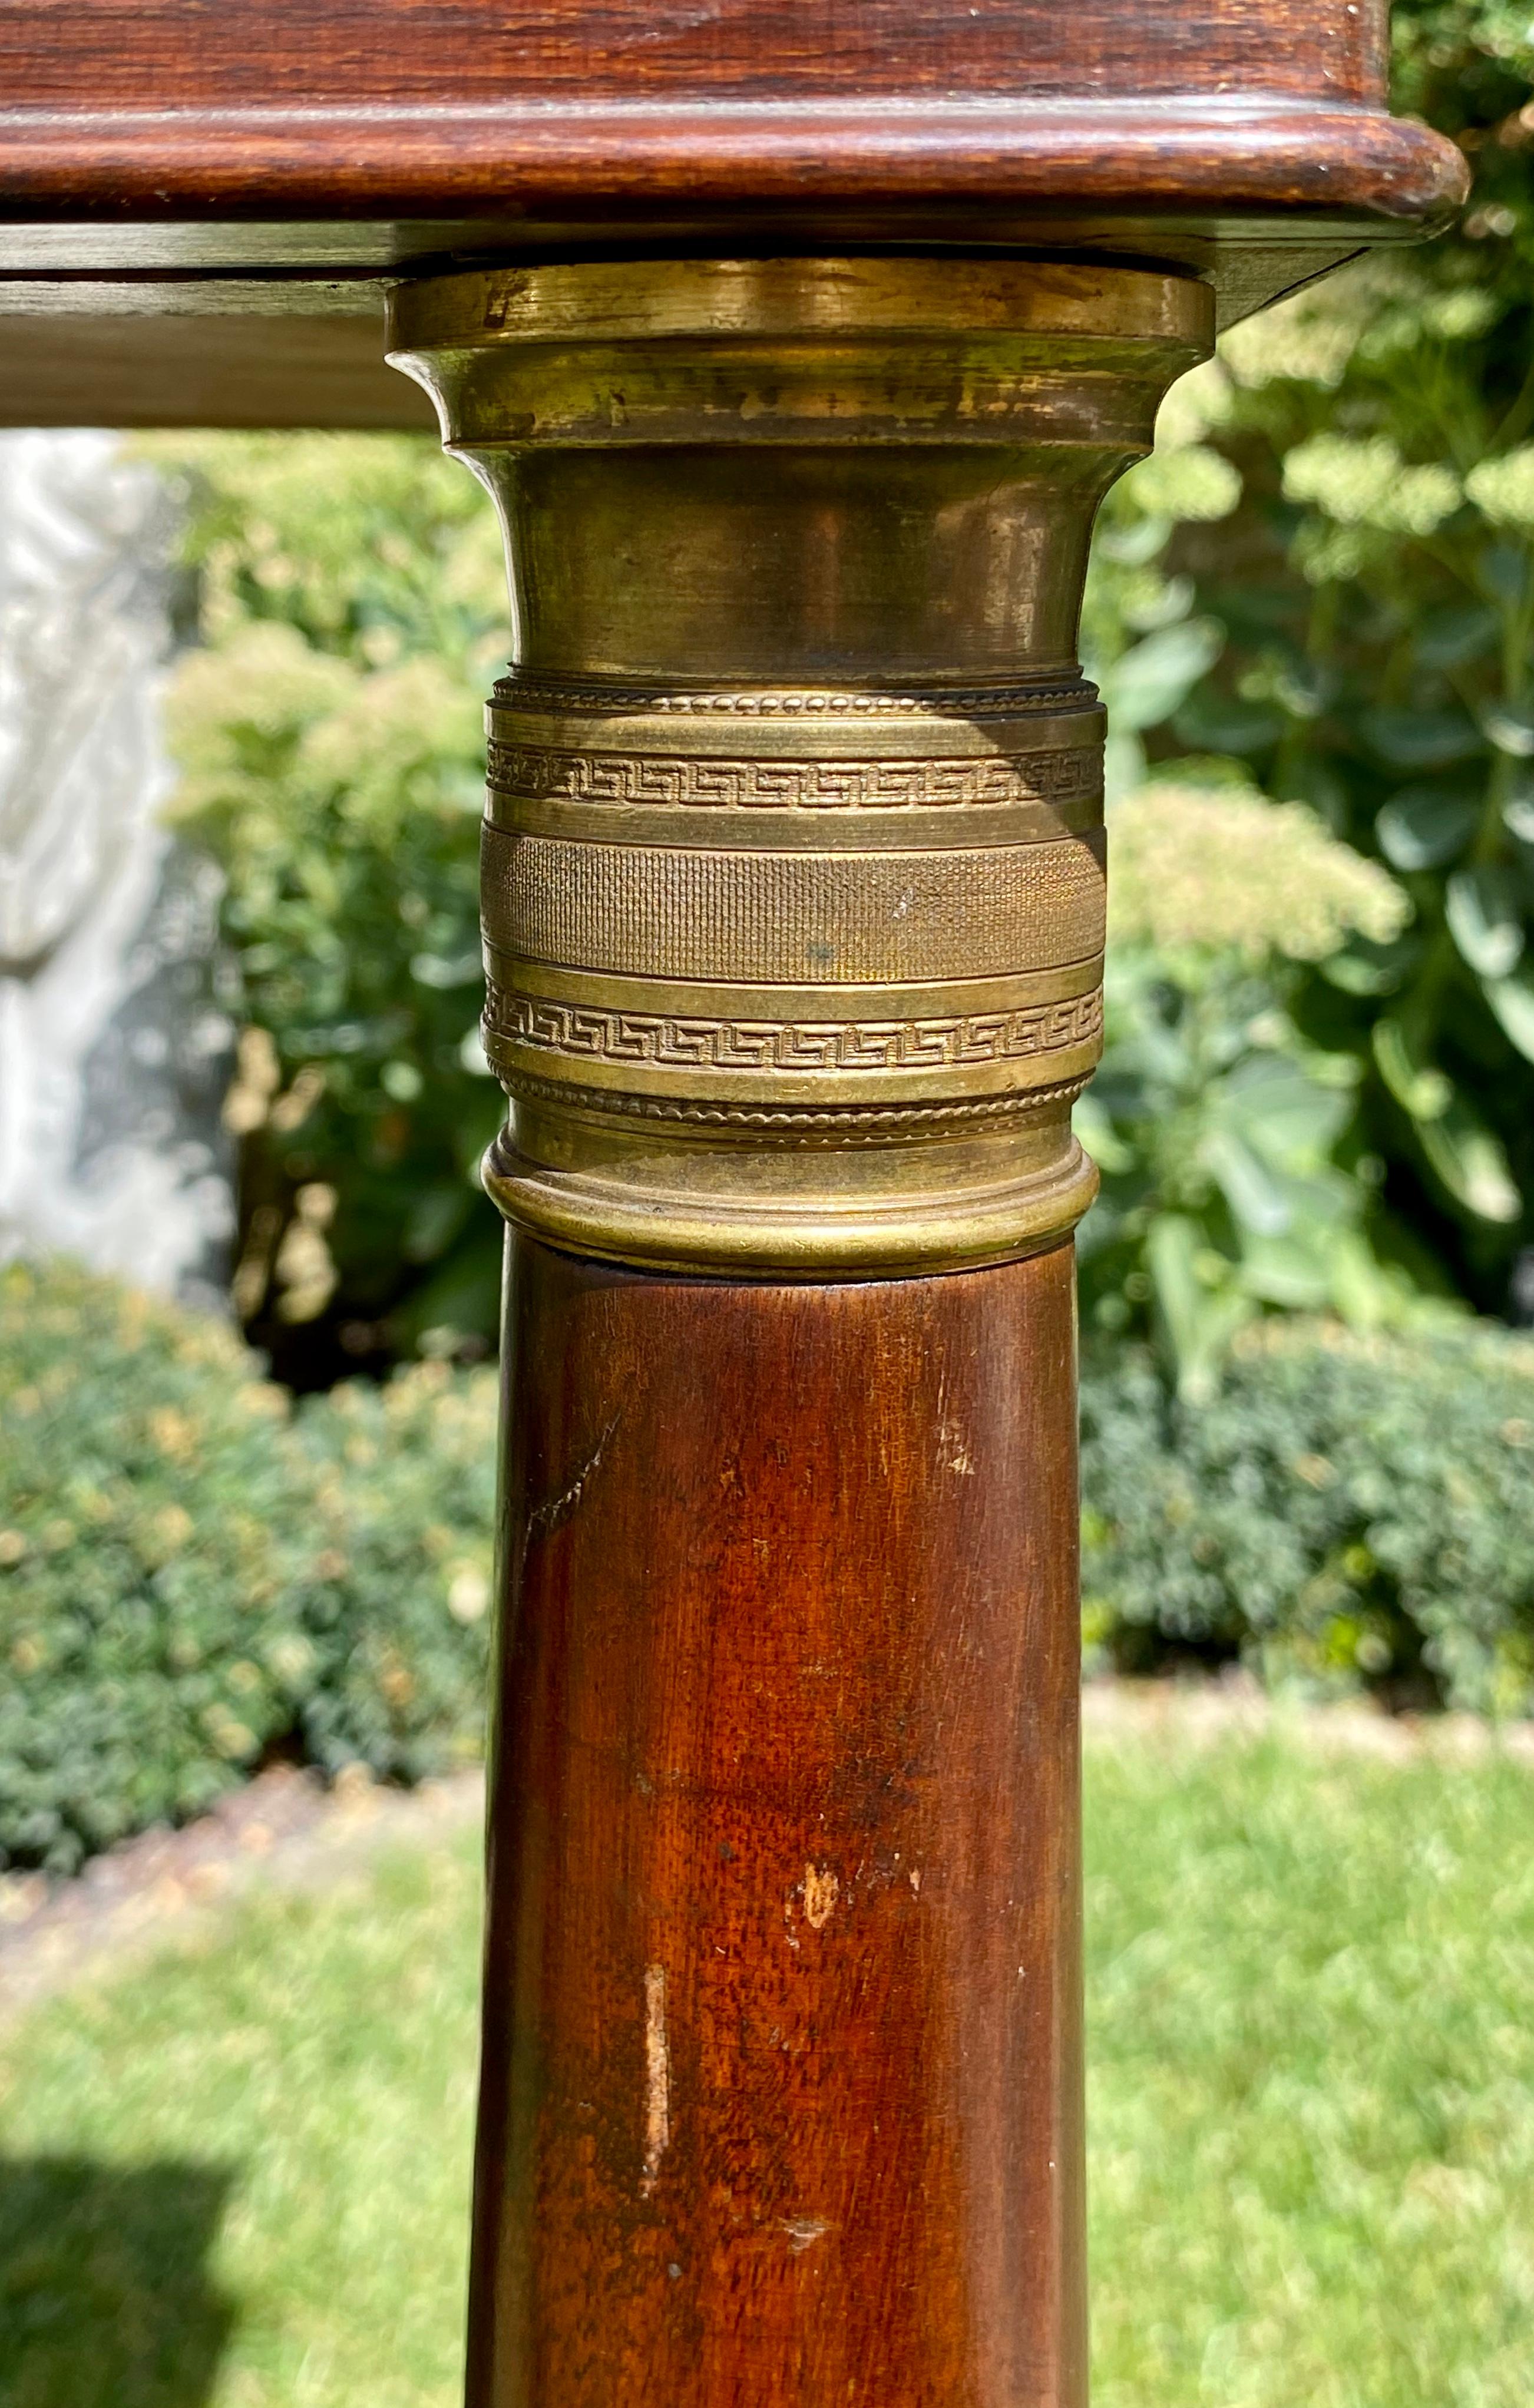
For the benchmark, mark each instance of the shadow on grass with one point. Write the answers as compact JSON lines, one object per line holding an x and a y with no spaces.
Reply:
{"x":106,"y":2297}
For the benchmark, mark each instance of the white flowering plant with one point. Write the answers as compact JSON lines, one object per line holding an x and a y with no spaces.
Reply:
{"x":349,"y":612}
{"x":1230,"y":1185}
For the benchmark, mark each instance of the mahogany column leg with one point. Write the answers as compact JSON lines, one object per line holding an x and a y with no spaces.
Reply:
{"x":783,"y":2025}
{"x":794,"y":919}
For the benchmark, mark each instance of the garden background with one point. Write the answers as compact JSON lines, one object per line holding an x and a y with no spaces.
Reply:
{"x":1308,"y":1408}
{"x":1309,"y":1429}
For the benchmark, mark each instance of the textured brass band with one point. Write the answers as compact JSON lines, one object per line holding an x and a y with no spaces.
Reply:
{"x":893,"y":962}
{"x":758,"y":917}
{"x":794,"y":974}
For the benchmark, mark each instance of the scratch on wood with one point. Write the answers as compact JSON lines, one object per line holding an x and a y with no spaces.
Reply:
{"x":954,"y":1451}
{"x":820,"y":1896}
{"x":559,"y":1509}
{"x":657,"y":2078}
{"x":803,"y":2232}
{"x":555,"y":1510}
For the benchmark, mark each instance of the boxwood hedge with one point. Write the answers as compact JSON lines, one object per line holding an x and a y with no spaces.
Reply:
{"x":1346,"y":1508}
{"x":192,"y":1574}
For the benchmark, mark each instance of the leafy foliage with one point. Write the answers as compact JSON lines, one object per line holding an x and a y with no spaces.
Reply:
{"x":1343,"y":1508}
{"x":1354,"y":631}
{"x":1215,"y":1122}
{"x":328,"y":734}
{"x":190,"y":1575}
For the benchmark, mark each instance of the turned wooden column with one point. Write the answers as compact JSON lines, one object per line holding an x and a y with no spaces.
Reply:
{"x":783,"y":2011}
{"x":794,"y":919}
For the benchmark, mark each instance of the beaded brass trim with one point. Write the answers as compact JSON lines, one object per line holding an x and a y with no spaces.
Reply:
{"x":531,"y":690}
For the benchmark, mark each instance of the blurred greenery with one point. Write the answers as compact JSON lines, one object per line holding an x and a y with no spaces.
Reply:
{"x":351,"y":608}
{"x":1312,"y":2113}
{"x":193,"y":1576}
{"x":195,"y":1573}
{"x":1221,"y":1129}
{"x":1320,"y":591}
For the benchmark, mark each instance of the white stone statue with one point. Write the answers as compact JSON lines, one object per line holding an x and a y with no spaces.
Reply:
{"x":113,"y":1054}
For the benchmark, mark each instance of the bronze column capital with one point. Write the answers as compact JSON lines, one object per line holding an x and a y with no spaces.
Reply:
{"x":794,"y":857}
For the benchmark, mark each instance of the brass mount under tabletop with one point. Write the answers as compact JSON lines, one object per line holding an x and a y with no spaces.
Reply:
{"x":794,"y":857}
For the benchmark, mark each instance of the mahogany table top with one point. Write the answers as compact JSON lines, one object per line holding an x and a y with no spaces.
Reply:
{"x":201,"y":200}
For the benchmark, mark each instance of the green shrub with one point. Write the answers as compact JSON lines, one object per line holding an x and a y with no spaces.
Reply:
{"x":193,"y":1573}
{"x":191,"y":1576}
{"x":152,"y":1622}
{"x":405,"y":1496}
{"x":1346,"y":1508}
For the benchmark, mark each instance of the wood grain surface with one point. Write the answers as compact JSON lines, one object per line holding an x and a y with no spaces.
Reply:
{"x":553,"y":168}
{"x":812,"y":122}
{"x":178,"y":54}
{"x":782,"y":2089}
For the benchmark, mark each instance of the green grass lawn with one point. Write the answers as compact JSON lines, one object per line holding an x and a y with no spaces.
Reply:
{"x":237,"y":2179}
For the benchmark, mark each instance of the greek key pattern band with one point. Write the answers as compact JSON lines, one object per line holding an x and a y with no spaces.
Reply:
{"x":793,"y":1045}
{"x":539,"y":773}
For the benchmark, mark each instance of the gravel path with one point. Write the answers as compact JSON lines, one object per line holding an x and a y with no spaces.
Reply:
{"x":284,"y":1832}
{"x":1202,"y":1712}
